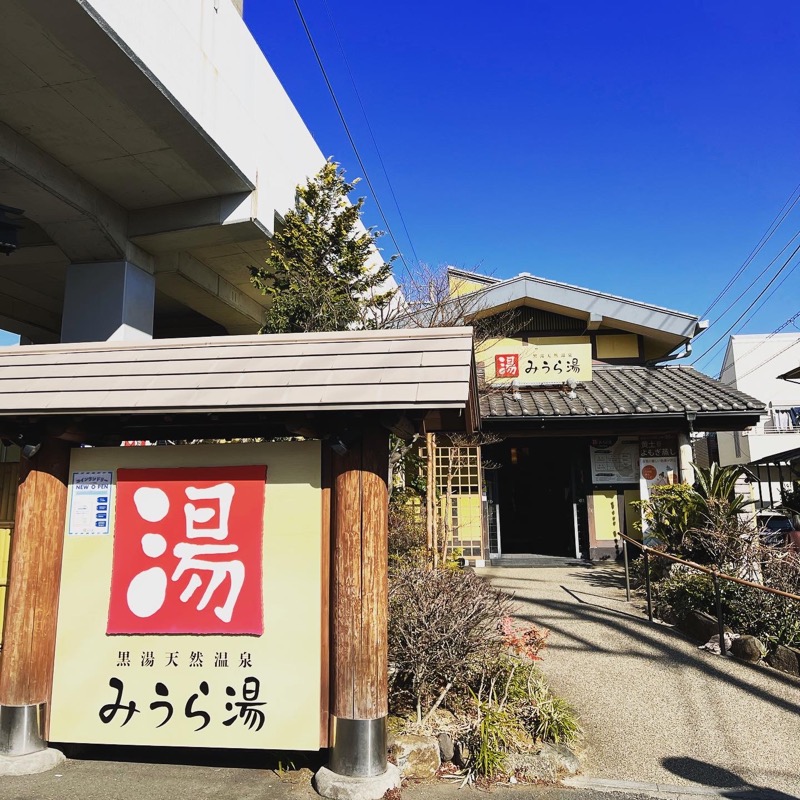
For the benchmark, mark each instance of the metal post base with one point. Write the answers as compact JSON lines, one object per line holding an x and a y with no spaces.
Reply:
{"x":359,"y":747}
{"x":22,"y":729}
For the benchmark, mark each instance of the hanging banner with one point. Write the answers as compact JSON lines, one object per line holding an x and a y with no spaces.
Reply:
{"x":614,"y":459}
{"x":197,"y":621}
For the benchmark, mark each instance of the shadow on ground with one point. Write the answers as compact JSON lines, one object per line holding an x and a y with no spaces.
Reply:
{"x":648,"y":641}
{"x":196,"y":756}
{"x":730,"y":784}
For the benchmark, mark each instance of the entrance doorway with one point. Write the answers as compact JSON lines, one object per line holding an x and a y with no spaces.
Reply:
{"x":535,"y":490}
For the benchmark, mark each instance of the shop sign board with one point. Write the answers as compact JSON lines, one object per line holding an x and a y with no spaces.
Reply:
{"x":614,"y":459}
{"x":509,"y":361}
{"x":658,"y":471}
{"x":197,"y":621}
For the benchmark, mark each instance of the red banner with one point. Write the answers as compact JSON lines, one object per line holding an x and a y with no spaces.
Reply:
{"x":187,"y":551}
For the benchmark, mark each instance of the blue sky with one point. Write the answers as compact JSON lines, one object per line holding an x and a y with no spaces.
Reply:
{"x":639,"y":148}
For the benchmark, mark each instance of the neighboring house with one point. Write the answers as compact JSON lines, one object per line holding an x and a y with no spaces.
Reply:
{"x":756,"y":363}
{"x":585,"y":414}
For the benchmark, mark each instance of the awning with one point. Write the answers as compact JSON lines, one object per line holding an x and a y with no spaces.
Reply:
{"x":415,"y":371}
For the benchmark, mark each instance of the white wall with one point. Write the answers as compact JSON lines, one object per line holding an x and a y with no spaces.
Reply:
{"x":206,"y":59}
{"x":759,"y":360}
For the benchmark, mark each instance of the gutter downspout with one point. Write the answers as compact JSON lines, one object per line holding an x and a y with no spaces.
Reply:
{"x":687,"y":351}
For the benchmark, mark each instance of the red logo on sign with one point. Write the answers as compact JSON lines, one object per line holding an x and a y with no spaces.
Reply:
{"x":506,"y":366}
{"x":187,"y":551}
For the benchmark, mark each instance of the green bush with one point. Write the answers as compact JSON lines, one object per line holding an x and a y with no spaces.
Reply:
{"x":747,"y":610}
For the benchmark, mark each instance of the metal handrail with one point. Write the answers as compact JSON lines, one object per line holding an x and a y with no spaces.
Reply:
{"x":715,"y":574}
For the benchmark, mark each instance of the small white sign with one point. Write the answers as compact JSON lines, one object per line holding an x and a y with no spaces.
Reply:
{"x":90,"y":510}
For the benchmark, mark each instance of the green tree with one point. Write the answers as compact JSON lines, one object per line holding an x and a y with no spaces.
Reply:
{"x":322,"y":273}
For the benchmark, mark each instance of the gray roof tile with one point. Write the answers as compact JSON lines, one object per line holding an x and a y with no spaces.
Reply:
{"x":627,"y":391}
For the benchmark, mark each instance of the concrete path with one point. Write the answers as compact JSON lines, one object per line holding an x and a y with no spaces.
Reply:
{"x":655,"y":708}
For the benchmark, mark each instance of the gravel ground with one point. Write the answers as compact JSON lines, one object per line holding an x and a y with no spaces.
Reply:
{"x":654,"y":707}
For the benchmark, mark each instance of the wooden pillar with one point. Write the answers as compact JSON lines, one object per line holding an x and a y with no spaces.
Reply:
{"x":29,"y":634}
{"x":359,"y":605}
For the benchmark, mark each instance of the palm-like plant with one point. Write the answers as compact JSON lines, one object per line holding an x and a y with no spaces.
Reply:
{"x":716,"y":488}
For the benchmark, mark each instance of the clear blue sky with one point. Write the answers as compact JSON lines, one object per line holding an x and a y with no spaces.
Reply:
{"x":639,"y":148}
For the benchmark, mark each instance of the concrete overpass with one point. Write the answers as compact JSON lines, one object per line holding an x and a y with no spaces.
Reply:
{"x":152,"y":151}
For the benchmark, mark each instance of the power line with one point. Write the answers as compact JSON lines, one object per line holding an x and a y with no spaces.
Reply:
{"x":369,"y":128}
{"x":349,"y":134}
{"x":758,"y":297}
{"x":759,"y":307}
{"x":773,"y":226}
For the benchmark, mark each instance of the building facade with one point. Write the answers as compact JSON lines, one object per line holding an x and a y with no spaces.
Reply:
{"x":581,"y":412}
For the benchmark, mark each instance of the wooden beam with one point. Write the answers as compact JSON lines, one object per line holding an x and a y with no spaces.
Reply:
{"x":26,"y":670}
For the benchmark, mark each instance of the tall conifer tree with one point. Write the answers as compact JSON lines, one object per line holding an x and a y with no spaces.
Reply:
{"x":321,"y":273}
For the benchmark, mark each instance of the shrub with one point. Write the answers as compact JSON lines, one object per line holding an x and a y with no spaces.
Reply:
{"x":772,"y":618}
{"x":444,"y":629}
{"x":407,"y":536}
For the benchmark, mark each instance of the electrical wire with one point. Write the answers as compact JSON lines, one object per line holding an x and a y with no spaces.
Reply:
{"x":755,"y":347}
{"x":758,"y":297}
{"x":746,"y":290}
{"x":788,"y":322}
{"x":771,"y":358}
{"x":369,"y":128}
{"x":768,"y":234}
{"x":349,"y":134}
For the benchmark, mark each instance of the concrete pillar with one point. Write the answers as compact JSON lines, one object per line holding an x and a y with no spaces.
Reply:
{"x":685,"y":459}
{"x":108,"y":301}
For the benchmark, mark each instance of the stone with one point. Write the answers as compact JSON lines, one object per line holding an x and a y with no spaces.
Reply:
{"x":748,"y":648}
{"x":462,"y":755}
{"x":700,"y":626}
{"x":446,"y":746}
{"x":712,"y":645}
{"x":786,"y":659}
{"x":532,"y":767}
{"x":341,"y":787}
{"x":416,"y":756}
{"x":33,"y":763}
{"x":296,"y":777}
{"x":563,"y":757}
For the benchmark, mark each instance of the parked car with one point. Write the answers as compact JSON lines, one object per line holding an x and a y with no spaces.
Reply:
{"x":776,"y":529}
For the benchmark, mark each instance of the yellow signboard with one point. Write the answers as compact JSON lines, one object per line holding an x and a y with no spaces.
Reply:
{"x":215,"y":640}
{"x":542,"y":361}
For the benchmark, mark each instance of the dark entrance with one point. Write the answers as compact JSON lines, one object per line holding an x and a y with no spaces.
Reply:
{"x":535,"y":491}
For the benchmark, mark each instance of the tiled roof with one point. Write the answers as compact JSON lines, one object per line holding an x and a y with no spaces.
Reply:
{"x":625,"y":391}
{"x":403,"y":369}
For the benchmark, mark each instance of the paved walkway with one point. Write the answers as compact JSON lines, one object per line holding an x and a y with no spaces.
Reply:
{"x":654,"y":707}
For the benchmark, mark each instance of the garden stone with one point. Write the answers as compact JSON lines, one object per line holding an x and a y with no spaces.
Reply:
{"x":700,"y":626}
{"x":416,"y":756}
{"x":532,"y":766}
{"x":562,"y":757}
{"x":462,"y":755}
{"x":446,"y":746}
{"x":786,"y":659}
{"x":748,"y":648}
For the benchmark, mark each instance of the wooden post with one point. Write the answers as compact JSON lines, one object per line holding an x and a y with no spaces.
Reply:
{"x":359,"y":613}
{"x":430,"y":497}
{"x":29,"y":634}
